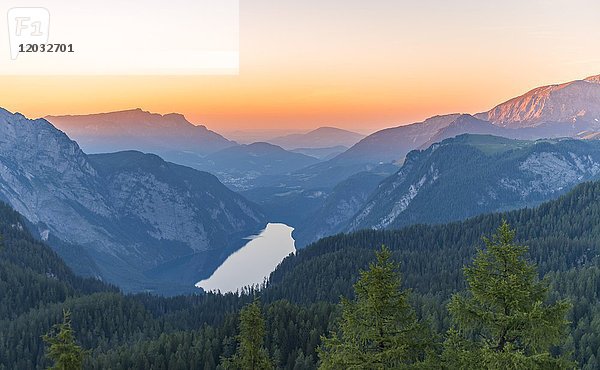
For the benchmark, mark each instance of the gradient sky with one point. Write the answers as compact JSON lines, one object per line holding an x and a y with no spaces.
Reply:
{"x":361,"y":65}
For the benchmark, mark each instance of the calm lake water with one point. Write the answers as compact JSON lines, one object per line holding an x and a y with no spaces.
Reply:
{"x":253,"y":262}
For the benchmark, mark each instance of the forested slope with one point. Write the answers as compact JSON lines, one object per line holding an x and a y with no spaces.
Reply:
{"x":564,"y":240}
{"x":148,"y":332}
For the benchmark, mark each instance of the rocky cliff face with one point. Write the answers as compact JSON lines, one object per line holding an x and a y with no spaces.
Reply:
{"x":577,"y":101}
{"x":339,"y":206}
{"x":474,"y":174}
{"x":129,"y":211}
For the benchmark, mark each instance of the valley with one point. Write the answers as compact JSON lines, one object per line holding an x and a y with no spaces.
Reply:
{"x":300,"y":185}
{"x":173,"y":228}
{"x":148,"y":224}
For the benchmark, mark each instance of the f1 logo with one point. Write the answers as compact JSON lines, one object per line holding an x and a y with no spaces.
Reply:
{"x":27,"y":26}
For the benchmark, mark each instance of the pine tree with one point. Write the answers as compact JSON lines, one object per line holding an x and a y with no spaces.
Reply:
{"x":63,"y":349}
{"x":251,"y":353}
{"x":503,"y":321}
{"x":379,"y":329}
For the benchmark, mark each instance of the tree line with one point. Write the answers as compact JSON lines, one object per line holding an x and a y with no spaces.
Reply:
{"x":300,"y":304}
{"x":504,"y":320}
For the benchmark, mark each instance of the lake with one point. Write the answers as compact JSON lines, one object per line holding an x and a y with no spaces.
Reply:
{"x":254,"y":262}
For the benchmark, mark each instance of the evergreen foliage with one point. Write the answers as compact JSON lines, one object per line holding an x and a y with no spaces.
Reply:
{"x":379,"y":329}
{"x":62,"y":348}
{"x":301,"y":300}
{"x":251,"y":353}
{"x":504,"y":321}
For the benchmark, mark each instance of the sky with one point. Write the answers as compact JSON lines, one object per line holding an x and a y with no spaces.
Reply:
{"x":360,"y":65}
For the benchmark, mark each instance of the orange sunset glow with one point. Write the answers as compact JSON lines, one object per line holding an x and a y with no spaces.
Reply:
{"x":384,"y":63}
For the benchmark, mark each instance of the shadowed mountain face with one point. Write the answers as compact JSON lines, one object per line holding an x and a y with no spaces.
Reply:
{"x":130,"y":212}
{"x":337,"y":207}
{"x":139,"y":130}
{"x":473,"y":174}
{"x":323,"y":137}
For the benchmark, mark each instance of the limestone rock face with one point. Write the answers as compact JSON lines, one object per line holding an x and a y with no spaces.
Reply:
{"x":576,"y":101}
{"x":474,"y":174}
{"x":130,"y":212}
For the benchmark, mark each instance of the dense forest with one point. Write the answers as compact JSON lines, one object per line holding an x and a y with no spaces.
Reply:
{"x":300,"y":304}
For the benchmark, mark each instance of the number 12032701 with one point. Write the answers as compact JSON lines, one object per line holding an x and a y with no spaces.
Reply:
{"x":46,"y":48}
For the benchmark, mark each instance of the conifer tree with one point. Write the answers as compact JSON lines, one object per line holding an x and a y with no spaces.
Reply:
{"x":251,"y":353}
{"x":503,"y":322}
{"x":62,"y":348}
{"x":379,"y":329}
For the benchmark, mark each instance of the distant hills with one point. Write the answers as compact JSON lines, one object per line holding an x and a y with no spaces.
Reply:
{"x":139,"y":130}
{"x":323,"y":137}
{"x":264,"y":158}
{"x":129,"y":214}
{"x":322,"y":153}
{"x":240,"y":166}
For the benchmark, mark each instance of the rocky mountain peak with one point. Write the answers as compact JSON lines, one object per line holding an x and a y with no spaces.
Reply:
{"x":576,"y":101}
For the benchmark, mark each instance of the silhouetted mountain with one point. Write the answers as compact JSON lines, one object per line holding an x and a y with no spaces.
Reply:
{"x":139,"y":130}
{"x":322,"y":153}
{"x":393,"y":144}
{"x":323,"y":137}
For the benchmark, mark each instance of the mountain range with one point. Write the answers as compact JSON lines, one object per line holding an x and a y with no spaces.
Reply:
{"x":394,"y":202}
{"x":175,"y":139}
{"x":136,"y":129}
{"x":143,"y":223}
{"x":566,"y":110}
{"x":130,"y":213}
{"x":453,"y":180}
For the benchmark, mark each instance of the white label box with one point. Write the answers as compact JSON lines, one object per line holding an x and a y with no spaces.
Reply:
{"x":112,"y":37}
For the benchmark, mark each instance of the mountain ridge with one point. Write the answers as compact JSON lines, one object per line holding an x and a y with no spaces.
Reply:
{"x":129,"y":211}
{"x":567,"y":102}
{"x":471,"y":174}
{"x":569,"y":109}
{"x":137,"y":129}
